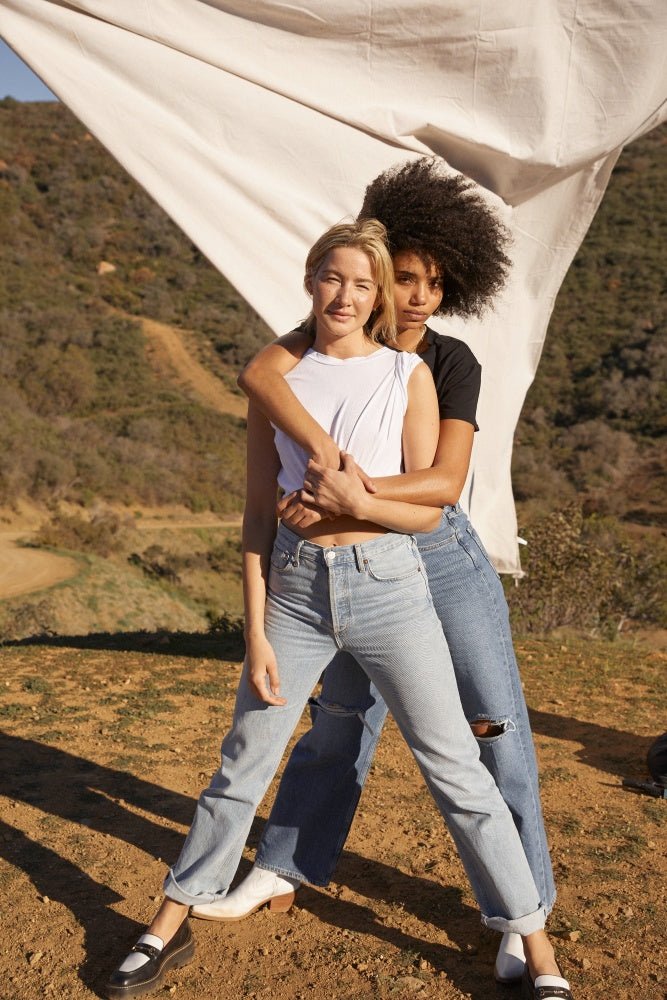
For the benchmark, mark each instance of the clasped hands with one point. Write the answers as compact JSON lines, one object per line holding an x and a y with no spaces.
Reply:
{"x":326,"y":493}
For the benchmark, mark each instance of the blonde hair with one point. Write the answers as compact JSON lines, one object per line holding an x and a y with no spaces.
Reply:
{"x":369,"y":236}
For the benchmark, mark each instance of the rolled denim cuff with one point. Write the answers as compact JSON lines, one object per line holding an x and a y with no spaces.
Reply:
{"x":173,"y":890}
{"x":534,"y":921}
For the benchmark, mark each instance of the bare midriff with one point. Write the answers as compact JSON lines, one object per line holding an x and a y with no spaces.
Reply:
{"x":343,"y":530}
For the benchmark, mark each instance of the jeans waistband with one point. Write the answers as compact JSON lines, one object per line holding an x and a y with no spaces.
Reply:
{"x":301,"y":550}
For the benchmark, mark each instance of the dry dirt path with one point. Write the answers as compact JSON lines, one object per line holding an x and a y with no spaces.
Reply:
{"x":23,"y":571}
{"x":169,"y":355}
{"x":26,"y":571}
{"x":184,"y":524}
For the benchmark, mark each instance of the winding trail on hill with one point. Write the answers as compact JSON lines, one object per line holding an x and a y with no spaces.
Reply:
{"x":169,"y":355}
{"x":26,"y":571}
{"x":23,"y":571}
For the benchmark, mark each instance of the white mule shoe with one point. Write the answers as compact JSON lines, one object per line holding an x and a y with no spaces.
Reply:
{"x":511,"y":959}
{"x":258,"y":887}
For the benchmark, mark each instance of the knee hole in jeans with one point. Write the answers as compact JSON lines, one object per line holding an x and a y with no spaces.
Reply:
{"x":488,"y":729}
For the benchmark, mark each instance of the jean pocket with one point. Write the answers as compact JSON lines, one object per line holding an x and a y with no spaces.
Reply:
{"x":443,"y":537}
{"x":281,"y":560}
{"x":393,"y":565}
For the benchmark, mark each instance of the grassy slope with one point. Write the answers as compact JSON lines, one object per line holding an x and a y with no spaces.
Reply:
{"x":84,"y":417}
{"x":595,"y":418}
{"x":74,"y":379}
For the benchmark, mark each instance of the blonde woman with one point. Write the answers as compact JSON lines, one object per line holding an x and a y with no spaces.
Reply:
{"x":350,"y":587}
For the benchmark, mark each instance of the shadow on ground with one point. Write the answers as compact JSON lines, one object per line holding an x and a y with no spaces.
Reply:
{"x":615,"y":751}
{"x":225,"y":643}
{"x":106,"y":800}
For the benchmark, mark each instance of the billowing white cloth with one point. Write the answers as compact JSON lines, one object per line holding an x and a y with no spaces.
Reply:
{"x":257,"y":125}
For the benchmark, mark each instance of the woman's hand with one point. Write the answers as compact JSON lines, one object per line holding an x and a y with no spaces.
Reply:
{"x":296,"y":512}
{"x":263,"y":671}
{"x":339,"y":492}
{"x":326,"y":452}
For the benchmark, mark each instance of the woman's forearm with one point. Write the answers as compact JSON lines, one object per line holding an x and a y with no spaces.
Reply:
{"x":437,"y":487}
{"x":276,"y":400}
{"x":396,"y":515}
{"x":343,"y":492}
{"x":258,"y":535}
{"x":263,"y":381}
{"x":440,"y":484}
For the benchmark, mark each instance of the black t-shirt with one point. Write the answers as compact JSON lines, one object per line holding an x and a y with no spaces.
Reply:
{"x":457,"y":376}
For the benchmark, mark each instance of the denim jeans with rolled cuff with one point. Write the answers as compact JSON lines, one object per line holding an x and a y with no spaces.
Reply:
{"x":324,"y":777}
{"x":366,"y":604}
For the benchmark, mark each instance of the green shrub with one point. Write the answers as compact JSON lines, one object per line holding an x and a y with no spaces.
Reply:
{"x":101,"y":534}
{"x":229,"y":631}
{"x":589,"y":573}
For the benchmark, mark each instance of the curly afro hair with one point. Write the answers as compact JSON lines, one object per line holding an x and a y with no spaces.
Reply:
{"x":444,"y":221}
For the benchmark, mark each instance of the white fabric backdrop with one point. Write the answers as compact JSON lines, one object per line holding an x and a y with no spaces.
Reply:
{"x":257,"y":125}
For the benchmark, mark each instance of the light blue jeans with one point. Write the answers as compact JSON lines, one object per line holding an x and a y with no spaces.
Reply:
{"x":324,"y":777}
{"x":371,"y":602}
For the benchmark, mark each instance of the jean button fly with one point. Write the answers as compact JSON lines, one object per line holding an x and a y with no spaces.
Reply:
{"x":329,"y":557}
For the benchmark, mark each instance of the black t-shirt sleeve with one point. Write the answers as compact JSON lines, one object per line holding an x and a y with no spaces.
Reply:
{"x":457,"y":374}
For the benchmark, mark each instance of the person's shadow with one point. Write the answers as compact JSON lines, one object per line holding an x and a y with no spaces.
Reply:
{"x":467,"y":959}
{"x":616,"y":751}
{"x":80,"y":791}
{"x":224,"y":642}
{"x":83,"y":792}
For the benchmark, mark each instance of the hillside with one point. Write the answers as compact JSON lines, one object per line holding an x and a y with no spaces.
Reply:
{"x":594,"y":421}
{"x":84,"y":414}
{"x":119,"y":345}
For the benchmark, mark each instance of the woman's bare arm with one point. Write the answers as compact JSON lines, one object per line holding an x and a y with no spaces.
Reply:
{"x":420,"y":436}
{"x":263,"y":381}
{"x":442,"y":483}
{"x":439,"y":485}
{"x":259,"y":529}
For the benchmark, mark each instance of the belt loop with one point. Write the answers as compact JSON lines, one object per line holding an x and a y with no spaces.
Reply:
{"x":297,"y":552}
{"x":359,"y":558}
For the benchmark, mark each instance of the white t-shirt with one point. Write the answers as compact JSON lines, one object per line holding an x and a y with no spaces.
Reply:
{"x":360,"y":402}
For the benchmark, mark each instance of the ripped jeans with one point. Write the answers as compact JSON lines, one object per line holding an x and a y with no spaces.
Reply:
{"x":324,"y":777}
{"x":368,"y":601}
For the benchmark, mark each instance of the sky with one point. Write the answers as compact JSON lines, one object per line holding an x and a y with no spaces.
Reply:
{"x":18,"y":81}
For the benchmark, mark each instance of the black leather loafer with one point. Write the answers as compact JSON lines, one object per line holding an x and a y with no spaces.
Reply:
{"x":529,"y":991}
{"x":176,"y":953}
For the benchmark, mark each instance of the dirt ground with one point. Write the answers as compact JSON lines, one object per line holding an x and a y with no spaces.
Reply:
{"x":107,"y":740}
{"x":24,"y":570}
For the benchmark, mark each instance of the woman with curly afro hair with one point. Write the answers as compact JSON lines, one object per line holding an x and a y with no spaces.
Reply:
{"x":449,"y":252}
{"x":442,"y":219}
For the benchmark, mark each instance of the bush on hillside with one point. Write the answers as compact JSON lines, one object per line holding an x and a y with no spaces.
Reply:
{"x":587,"y":572}
{"x":102,"y":534}
{"x":228,"y":630}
